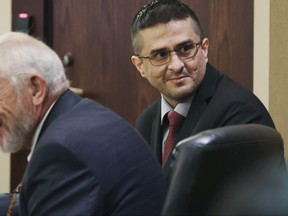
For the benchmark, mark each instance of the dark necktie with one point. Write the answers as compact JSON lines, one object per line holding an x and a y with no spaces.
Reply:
{"x":175,"y":122}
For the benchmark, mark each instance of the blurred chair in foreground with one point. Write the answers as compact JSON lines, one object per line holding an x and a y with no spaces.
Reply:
{"x":205,"y":164}
{"x":264,"y":194}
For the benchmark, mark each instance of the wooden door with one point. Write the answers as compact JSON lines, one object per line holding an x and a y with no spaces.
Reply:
{"x":97,"y":34}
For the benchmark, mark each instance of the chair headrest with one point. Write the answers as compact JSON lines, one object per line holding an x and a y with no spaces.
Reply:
{"x":202,"y":165}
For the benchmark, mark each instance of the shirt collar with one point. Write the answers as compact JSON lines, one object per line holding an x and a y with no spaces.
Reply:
{"x":37,"y":132}
{"x":181,"y":108}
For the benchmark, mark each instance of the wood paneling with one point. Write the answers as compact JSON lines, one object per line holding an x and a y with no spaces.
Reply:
{"x":97,"y":33}
{"x":229,"y":26}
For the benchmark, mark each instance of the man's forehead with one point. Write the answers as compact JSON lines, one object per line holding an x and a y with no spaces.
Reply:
{"x":168,"y":35}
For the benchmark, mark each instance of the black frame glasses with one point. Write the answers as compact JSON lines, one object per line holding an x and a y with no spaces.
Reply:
{"x":184,"y":52}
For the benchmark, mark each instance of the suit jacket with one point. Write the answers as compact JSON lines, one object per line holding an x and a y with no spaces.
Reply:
{"x":218,"y":102}
{"x":89,"y":161}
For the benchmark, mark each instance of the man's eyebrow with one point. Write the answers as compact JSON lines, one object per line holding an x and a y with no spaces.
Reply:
{"x":184,"y":43}
{"x":158,"y":50}
{"x":178,"y":45}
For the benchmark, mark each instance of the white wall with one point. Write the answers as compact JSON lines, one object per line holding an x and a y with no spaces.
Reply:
{"x":261,"y":50}
{"x":5,"y":25}
{"x":278,"y":78}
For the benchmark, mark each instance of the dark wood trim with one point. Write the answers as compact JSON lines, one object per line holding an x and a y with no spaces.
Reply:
{"x":48,"y":22}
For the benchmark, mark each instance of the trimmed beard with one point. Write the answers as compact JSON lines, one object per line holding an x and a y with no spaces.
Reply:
{"x":18,"y":132}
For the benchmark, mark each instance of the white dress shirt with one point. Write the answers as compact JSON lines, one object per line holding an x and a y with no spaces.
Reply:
{"x":37,"y":132}
{"x":181,"y":108}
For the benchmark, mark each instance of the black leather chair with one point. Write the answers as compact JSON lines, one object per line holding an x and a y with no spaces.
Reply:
{"x":204,"y":165}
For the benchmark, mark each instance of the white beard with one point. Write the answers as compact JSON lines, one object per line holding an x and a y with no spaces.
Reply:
{"x":16,"y":136}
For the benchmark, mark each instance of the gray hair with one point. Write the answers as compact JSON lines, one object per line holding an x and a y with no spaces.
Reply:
{"x":22,"y":55}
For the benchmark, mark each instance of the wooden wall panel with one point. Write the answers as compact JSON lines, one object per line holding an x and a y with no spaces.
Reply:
{"x":228,"y":24}
{"x":98,"y":36}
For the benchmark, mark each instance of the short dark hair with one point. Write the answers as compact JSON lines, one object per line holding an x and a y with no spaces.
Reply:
{"x":161,"y":11}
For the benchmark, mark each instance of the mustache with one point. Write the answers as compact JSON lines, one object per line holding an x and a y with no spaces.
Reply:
{"x":172,"y":75}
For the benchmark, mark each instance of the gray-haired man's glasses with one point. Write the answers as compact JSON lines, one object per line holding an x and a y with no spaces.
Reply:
{"x":184,"y":52}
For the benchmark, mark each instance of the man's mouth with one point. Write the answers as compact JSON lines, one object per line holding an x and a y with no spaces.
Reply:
{"x":178,"y":78}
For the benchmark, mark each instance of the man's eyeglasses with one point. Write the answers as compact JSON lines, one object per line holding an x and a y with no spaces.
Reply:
{"x":184,"y":52}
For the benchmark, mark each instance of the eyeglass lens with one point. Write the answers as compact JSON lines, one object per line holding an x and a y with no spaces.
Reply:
{"x":183,"y":52}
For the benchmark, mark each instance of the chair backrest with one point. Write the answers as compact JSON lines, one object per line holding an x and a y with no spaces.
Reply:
{"x":203,"y":165}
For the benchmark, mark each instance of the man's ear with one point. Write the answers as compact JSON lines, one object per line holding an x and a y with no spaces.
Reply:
{"x":38,"y":89}
{"x":205,"y":47}
{"x":138,"y":64}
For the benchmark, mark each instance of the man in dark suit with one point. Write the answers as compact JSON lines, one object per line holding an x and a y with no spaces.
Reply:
{"x":85,"y":159}
{"x":171,"y":52}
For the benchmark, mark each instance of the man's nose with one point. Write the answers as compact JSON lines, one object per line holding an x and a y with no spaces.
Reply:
{"x":175,"y":61}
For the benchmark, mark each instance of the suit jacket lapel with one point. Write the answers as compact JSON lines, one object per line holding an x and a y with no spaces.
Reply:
{"x":198,"y":107}
{"x":156,"y":134}
{"x":200,"y":102}
{"x":194,"y":114}
{"x":64,"y":102}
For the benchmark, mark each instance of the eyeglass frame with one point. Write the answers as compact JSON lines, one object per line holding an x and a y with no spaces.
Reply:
{"x":174,"y":50}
